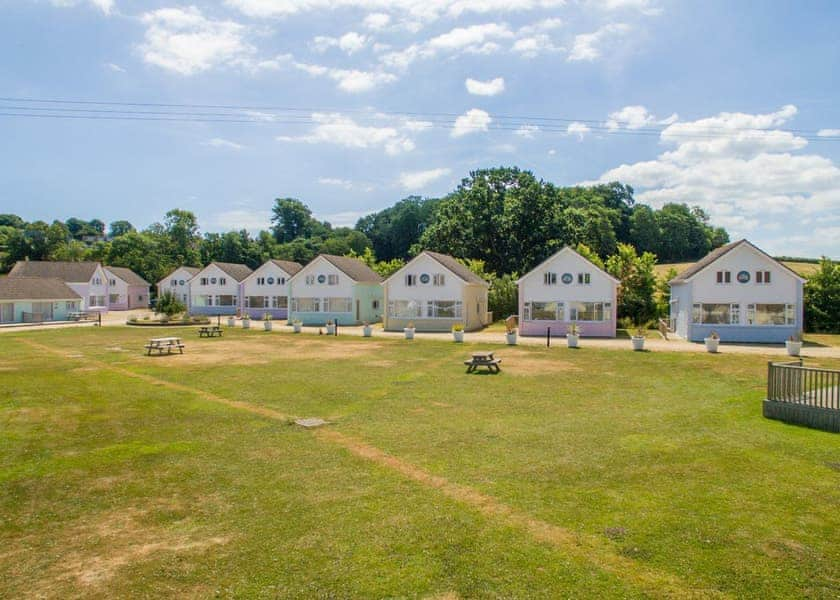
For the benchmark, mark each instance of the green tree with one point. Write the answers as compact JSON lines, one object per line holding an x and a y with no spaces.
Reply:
{"x":637,"y":282}
{"x":291,"y":219}
{"x":644,"y":229}
{"x":169,"y":305}
{"x":394,"y":230}
{"x":9,"y":220}
{"x":822,"y":298}
{"x":118,"y":228}
{"x":180,"y":228}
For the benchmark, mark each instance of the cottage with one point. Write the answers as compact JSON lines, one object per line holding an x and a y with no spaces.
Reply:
{"x":434,"y":292}
{"x":36,"y":299}
{"x":126,"y":289}
{"x":178,"y":283}
{"x":739,"y":292}
{"x":215,"y":289}
{"x":567,"y":288}
{"x":266,"y":290}
{"x":335,"y":288}
{"x":88,"y":279}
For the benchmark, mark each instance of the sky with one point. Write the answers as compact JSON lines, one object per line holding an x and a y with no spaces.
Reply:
{"x":351,"y":105}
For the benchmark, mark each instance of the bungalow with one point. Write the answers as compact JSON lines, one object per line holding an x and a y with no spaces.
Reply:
{"x":567,"y":288}
{"x":739,"y":292}
{"x":178,"y":283}
{"x":36,"y":299}
{"x":215,"y":289}
{"x":266,"y":290}
{"x":88,"y":279}
{"x":434,"y":292}
{"x":335,"y":288}
{"x":126,"y":289}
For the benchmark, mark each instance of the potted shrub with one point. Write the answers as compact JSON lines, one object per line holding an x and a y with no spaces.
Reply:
{"x":638,"y":338}
{"x":231,"y":321}
{"x":367,"y":329}
{"x":267,"y":321}
{"x":510,"y":336}
{"x":458,"y":332}
{"x":573,"y":336}
{"x":712,"y":342}
{"x":330,"y":327}
{"x":297,"y":325}
{"x":246,"y":321}
{"x":794,"y":346}
{"x":409,"y":331}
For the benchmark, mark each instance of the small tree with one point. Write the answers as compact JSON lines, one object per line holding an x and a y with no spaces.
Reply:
{"x":169,"y":305}
{"x":638,"y":282}
{"x":822,"y":298}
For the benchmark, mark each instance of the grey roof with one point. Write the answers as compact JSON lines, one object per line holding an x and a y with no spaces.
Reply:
{"x":127,"y":275}
{"x":719,"y":252}
{"x":35,"y":288}
{"x":353,"y":268}
{"x":191,"y":270}
{"x":70,"y":272}
{"x":457,"y":267}
{"x":235,"y":270}
{"x":287,"y":265}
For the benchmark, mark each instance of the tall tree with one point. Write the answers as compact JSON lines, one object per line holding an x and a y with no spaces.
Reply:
{"x":119,"y":228}
{"x":638,"y":283}
{"x":291,"y":219}
{"x":181,"y":230}
{"x":822,"y":298}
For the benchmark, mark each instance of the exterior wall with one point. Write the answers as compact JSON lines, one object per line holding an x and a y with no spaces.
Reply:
{"x":280,"y":287}
{"x":60,"y":308}
{"x":366,"y":294}
{"x":181,"y":288}
{"x":230,"y":288}
{"x":600,"y":289}
{"x":120,"y":288}
{"x":298,"y":288}
{"x":680,"y":310}
{"x":138,"y":296}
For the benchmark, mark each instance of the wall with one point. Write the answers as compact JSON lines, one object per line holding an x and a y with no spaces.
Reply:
{"x":280,"y":287}
{"x":182,"y":287}
{"x":343,"y":289}
{"x":231,"y":287}
{"x":60,"y":309}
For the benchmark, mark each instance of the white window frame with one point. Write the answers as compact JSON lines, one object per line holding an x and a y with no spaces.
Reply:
{"x":439,"y":279}
{"x":549,"y":278}
{"x":584,"y":278}
{"x":332,"y":279}
{"x":410,"y":280}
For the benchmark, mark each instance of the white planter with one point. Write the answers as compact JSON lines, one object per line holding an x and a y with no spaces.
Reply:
{"x":638,"y":343}
{"x":267,"y":325}
{"x":331,"y":329}
{"x":367,"y":331}
{"x":793,"y":348}
{"x":458,"y":336}
{"x":246,"y":323}
{"x":296,"y":327}
{"x":572,"y":340}
{"x":231,"y":322}
{"x":711,"y":344}
{"x":409,"y":333}
{"x":510,"y":338}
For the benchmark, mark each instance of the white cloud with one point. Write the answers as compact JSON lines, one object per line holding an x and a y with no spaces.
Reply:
{"x":223,"y":143}
{"x":349,"y":80}
{"x":534,"y":45}
{"x":241,"y":218}
{"x":415,"y":180}
{"x":106,"y":6}
{"x":184,"y":41}
{"x":577,"y":128}
{"x":475,"y":39}
{"x":636,"y":117}
{"x":527,"y":131}
{"x":472,"y":121}
{"x":828,"y":132}
{"x":414,"y":125}
{"x":590,"y":46}
{"x":485,"y":88}
{"x":351,"y":42}
{"x":115,"y":67}
{"x":645,"y":7}
{"x":334,"y":128}
{"x":377,"y":21}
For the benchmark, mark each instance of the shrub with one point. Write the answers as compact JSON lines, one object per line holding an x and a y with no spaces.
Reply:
{"x":169,"y":305}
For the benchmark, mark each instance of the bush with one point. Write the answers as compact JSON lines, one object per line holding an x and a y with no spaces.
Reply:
{"x":169,"y":305}
{"x":822,"y":299}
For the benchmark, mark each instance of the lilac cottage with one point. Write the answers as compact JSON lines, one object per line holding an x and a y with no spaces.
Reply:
{"x":266,"y":290}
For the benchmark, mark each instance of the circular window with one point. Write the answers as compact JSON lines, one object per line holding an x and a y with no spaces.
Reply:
{"x":322,"y":278}
{"x":212,"y":280}
{"x":743,"y":276}
{"x":424,"y":278}
{"x":270,"y":280}
{"x":567,"y":278}
{"x":181,"y":282}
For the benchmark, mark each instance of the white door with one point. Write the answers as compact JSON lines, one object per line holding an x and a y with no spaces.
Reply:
{"x":7,"y":312}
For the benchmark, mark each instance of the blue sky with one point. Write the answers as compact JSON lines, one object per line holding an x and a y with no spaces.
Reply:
{"x":731,"y":106}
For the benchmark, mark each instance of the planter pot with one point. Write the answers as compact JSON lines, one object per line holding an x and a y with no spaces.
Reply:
{"x":793,"y":348}
{"x":367,"y":331}
{"x":296,"y":327}
{"x":267,"y":325}
{"x":572,"y":340}
{"x":246,"y":323}
{"x":409,"y":333}
{"x":638,"y":343}
{"x":711,"y":344}
{"x":231,"y":322}
{"x":510,"y":338}
{"x":330,"y":329}
{"x":458,"y":336}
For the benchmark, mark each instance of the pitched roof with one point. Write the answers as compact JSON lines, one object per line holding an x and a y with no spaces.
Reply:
{"x":35,"y":288}
{"x":287,"y":265}
{"x":127,"y":275}
{"x":70,"y":272}
{"x":235,"y":270}
{"x":353,"y":268}
{"x":191,"y":270}
{"x":719,"y":252}
{"x":456,"y":266}
{"x":576,"y":253}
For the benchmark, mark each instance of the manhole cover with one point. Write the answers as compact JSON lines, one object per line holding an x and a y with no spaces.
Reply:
{"x":310,"y":423}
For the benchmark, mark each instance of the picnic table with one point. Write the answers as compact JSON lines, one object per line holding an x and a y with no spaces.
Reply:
{"x":79,"y":315}
{"x":209,"y":331}
{"x":165,"y":344}
{"x":483,"y":359}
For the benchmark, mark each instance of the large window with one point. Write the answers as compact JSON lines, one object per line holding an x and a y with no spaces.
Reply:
{"x":404,"y":309}
{"x":202,"y":300}
{"x":306,"y":304}
{"x":7,"y":312}
{"x":444,"y":309}
{"x":544,"y":311}
{"x":97,"y":301}
{"x":716,"y":314}
{"x":113,"y":298}
{"x":226,"y":300}
{"x":256,"y":302}
{"x":338,"y":305}
{"x":279,"y":301}
{"x":771,"y":314}
{"x":590,"y":311}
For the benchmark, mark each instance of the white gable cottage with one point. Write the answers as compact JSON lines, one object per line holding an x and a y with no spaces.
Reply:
{"x":178,"y":283}
{"x":266,"y":290}
{"x":739,"y":292}
{"x":434,"y":292}
{"x":87,"y":279}
{"x":564,"y":289}
{"x":215,"y":289}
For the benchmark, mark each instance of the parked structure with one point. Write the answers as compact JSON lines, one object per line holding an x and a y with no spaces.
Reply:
{"x":215,"y":289}
{"x":36,"y":299}
{"x":335,"y":288}
{"x":178,"y":283}
{"x":87,"y":279}
{"x":434,"y":292}
{"x":567,"y":288}
{"x":739,"y":292}
{"x":126,"y":289}
{"x":266,"y":290}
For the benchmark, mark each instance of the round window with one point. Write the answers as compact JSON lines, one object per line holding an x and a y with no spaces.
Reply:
{"x":212,"y":280}
{"x":424,"y":278}
{"x":322,"y":278}
{"x":270,"y":280}
{"x":743,"y":276}
{"x":567,"y":278}
{"x":181,"y":282}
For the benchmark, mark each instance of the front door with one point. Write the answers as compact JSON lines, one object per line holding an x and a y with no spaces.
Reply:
{"x":358,"y":310}
{"x":7,"y":312}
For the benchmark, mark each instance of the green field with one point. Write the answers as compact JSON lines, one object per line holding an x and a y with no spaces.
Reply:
{"x":804,"y":269}
{"x":589,"y":473}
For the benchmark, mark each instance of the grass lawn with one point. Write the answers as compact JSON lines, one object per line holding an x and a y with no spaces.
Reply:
{"x":589,"y":473}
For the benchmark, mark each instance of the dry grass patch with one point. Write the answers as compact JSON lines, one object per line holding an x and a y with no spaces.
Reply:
{"x":522,"y":362}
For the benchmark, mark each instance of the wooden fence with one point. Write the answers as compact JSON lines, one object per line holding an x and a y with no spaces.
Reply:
{"x":803,"y":395}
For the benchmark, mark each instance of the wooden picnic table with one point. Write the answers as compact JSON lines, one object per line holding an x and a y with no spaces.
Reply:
{"x":164,"y":344}
{"x":483,"y":359}
{"x":209,"y":331}
{"x":79,"y":315}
